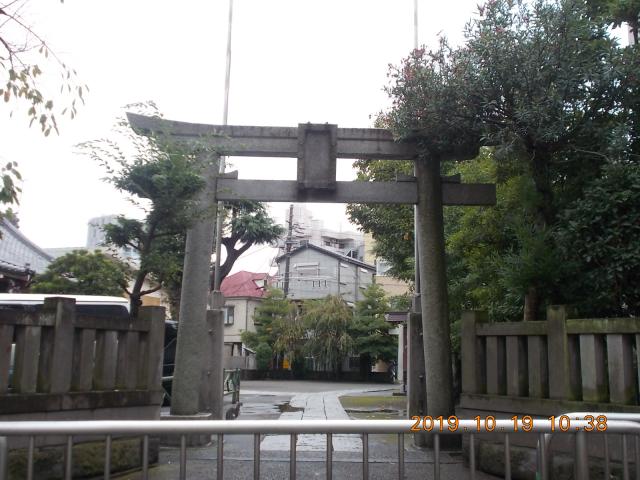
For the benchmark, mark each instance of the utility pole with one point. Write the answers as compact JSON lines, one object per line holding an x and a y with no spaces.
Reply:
{"x":287,"y":260}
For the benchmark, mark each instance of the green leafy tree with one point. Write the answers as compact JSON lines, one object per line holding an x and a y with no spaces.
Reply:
{"x":83,"y":273}
{"x":370,"y":331}
{"x":598,"y":235}
{"x":272,"y":309}
{"x":246,"y":224}
{"x":327,"y":322}
{"x":162,"y":179}
{"x":263,"y":356}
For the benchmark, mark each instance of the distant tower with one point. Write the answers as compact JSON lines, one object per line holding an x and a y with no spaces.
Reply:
{"x":96,"y":239}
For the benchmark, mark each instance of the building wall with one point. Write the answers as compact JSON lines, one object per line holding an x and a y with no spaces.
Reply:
{"x":314,"y":274}
{"x":243,"y":310}
{"x":19,"y":251}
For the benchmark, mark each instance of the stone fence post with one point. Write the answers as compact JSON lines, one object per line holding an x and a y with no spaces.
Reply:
{"x":472,"y":353}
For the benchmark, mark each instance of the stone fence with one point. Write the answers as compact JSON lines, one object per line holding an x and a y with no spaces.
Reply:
{"x":57,"y":365}
{"x":545,"y":368}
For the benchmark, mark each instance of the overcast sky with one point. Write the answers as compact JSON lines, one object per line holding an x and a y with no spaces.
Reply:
{"x":293,"y":61}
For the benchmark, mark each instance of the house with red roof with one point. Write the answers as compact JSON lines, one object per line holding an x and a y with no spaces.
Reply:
{"x":243,"y":292}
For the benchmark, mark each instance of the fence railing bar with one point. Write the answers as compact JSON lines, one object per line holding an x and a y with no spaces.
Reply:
{"x":68,"y":459}
{"x":436,"y":457}
{"x":256,"y":456}
{"x":4,"y":459}
{"x":401,"y":456}
{"x":472,"y":456}
{"x":107,"y":457}
{"x":30,"y":454}
{"x":183,"y":457}
{"x":507,"y":457}
{"x":581,"y":458}
{"x":292,"y":456}
{"x":365,"y":456}
{"x":145,"y":457}
{"x":329,"y":466}
{"x":625,"y":458}
{"x":220,"y":458}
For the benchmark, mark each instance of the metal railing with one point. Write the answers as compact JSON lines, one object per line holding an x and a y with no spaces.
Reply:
{"x":293,"y":428}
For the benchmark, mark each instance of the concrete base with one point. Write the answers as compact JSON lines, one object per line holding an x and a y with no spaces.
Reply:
{"x":88,"y":459}
{"x":195,"y":440}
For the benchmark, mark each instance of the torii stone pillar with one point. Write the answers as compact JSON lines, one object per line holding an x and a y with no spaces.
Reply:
{"x":194,"y":296}
{"x":317,"y":146}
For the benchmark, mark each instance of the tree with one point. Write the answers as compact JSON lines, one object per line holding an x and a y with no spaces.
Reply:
{"x":162,"y":179}
{"x":83,"y":273}
{"x":246,"y":224}
{"x":370,"y":331}
{"x":598,"y":235}
{"x":24,"y":57}
{"x":272,"y":308}
{"x":327,"y":323}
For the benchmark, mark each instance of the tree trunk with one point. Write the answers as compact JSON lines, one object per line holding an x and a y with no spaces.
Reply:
{"x":531,"y":304}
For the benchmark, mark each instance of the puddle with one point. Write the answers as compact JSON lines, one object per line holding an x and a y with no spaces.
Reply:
{"x":285,"y":407}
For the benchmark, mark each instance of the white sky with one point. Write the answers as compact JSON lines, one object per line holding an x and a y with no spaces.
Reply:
{"x":293,"y":61}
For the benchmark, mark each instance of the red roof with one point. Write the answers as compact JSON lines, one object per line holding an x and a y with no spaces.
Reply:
{"x":244,"y":284}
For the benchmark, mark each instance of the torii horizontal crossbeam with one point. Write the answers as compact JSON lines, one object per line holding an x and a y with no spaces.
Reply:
{"x":249,"y":141}
{"x":351,"y":192}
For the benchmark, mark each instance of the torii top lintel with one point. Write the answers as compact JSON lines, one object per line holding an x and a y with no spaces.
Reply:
{"x":316,"y":146}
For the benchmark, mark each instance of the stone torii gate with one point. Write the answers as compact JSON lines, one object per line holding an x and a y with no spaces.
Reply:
{"x":317,"y":146}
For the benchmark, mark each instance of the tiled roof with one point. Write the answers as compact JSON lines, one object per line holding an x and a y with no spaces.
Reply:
{"x":244,"y":284}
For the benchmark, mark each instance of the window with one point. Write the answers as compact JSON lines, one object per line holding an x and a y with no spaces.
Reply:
{"x":228,"y":315}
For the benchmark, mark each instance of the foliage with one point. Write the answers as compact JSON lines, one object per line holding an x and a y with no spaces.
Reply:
{"x":246,"y":224}
{"x":557,"y":100}
{"x":327,"y":322}
{"x":598,"y":234}
{"x":9,"y":176}
{"x":391,"y":226}
{"x":24,"y":57}
{"x":273,"y":309}
{"x":369,"y":329}
{"x":83,"y":273}
{"x":162,"y":179}
{"x":263,"y":356}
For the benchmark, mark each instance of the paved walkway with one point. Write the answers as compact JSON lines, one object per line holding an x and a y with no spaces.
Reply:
{"x":319,"y":406}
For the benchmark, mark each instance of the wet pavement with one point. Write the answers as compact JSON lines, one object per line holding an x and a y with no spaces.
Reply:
{"x":268,"y":400}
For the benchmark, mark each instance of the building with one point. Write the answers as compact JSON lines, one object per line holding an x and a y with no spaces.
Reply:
{"x":243,"y":292}
{"x":306,"y":229}
{"x":20,"y":258}
{"x":391,"y":286}
{"x":315,"y":272}
{"x":96,"y":240}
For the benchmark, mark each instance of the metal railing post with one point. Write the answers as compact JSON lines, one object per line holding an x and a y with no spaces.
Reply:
{"x":220,"y":457}
{"x":582,"y":460}
{"x":401,"y":456}
{"x":365,"y":456}
{"x":292,"y":456}
{"x":4,"y":459}
{"x":507,"y":457}
{"x":329,"y":466}
{"x":256,"y":456}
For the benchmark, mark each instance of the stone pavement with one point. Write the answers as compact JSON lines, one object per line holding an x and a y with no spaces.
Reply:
{"x":319,"y":406}
{"x":282,"y":399}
